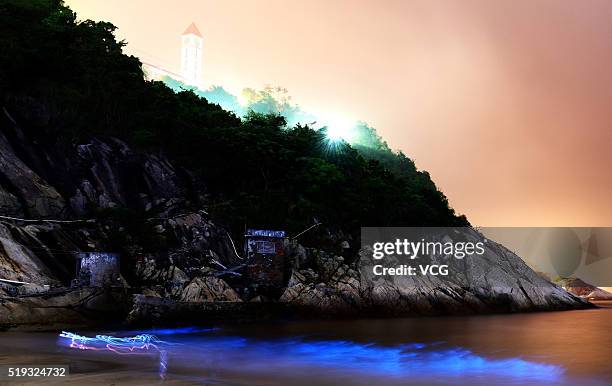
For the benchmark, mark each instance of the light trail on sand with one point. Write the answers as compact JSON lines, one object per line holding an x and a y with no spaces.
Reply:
{"x":140,"y":343}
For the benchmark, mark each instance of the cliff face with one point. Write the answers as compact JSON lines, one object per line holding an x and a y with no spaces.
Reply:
{"x":41,"y":181}
{"x":102,"y":195}
{"x":99,"y":195}
{"x":498,"y":282}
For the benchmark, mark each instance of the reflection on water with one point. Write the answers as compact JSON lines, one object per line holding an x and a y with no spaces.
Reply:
{"x":559,"y":348}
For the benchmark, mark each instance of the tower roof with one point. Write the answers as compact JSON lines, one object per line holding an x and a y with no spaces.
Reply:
{"x":192,"y":30}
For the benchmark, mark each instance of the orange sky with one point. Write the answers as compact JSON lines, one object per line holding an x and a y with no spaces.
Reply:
{"x":508,"y":104}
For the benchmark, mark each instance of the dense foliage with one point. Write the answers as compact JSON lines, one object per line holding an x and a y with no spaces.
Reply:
{"x":255,"y":169}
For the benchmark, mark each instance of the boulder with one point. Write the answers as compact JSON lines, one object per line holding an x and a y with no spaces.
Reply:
{"x":498,"y":282}
{"x":209,"y":289}
{"x":585,"y":290}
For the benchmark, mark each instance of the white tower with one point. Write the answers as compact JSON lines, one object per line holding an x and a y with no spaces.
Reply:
{"x":191,"y":55}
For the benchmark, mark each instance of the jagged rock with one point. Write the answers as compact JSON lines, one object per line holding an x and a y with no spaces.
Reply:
{"x":209,"y":289}
{"x":9,"y":204}
{"x":172,"y":278}
{"x":585,"y":290}
{"x":326,"y":264}
{"x":28,"y":188}
{"x":151,"y":292}
{"x":338,"y":297}
{"x":499,"y":282}
{"x":17,"y":262}
{"x":599,"y":294}
{"x":297,"y":254}
{"x":116,"y":175}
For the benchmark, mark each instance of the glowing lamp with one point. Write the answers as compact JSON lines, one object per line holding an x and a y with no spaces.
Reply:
{"x":340,"y":129}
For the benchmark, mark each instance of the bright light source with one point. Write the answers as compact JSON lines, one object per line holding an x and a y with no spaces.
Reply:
{"x":340,"y":129}
{"x":243,"y":99}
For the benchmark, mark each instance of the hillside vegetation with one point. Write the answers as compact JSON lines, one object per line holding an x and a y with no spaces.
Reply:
{"x":255,"y":170}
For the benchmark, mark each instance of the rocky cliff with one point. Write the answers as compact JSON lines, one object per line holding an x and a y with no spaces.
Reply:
{"x":498,"y":282}
{"x":101,"y":195}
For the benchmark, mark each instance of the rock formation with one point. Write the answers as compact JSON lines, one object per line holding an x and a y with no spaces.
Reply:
{"x":501,"y":282}
{"x":87,"y":196}
{"x":584,"y":290}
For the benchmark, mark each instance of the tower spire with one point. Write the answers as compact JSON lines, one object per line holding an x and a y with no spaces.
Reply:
{"x":192,"y":45}
{"x":192,"y":30}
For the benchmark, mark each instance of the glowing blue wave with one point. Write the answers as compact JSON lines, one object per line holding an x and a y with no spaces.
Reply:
{"x":415,"y":360}
{"x":178,"y":331}
{"x":370,"y":359}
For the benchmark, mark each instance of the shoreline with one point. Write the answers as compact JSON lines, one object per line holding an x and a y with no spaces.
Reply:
{"x":154,"y":312}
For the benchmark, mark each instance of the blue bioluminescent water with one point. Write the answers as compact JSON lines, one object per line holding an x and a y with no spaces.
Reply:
{"x":368,"y":359}
{"x":180,"y":331}
{"x":395,"y":361}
